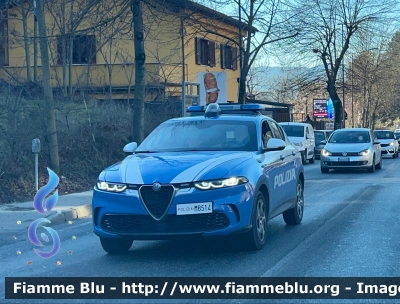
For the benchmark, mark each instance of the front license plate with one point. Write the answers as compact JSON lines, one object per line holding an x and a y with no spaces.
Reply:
{"x":196,"y":208}
{"x":343,"y":159}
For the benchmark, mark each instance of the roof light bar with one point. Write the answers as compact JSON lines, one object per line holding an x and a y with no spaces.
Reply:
{"x":226,"y":108}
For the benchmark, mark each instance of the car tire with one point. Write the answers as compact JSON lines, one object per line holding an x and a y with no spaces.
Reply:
{"x":312,"y":160}
{"x":394,"y":155}
{"x":116,"y":246}
{"x":304,"y":157}
{"x":324,"y":170}
{"x":294,"y":216}
{"x":379,"y":166}
{"x":372,"y":168}
{"x":255,"y":238}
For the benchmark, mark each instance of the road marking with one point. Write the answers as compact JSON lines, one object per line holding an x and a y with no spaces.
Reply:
{"x":356,"y":180}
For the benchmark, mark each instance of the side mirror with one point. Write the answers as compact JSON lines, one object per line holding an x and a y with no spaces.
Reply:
{"x":131,"y":147}
{"x":377,"y":142}
{"x":275,"y":144}
{"x":323,"y":142}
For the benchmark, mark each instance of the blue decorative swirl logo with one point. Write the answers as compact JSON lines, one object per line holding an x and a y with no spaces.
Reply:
{"x":44,"y":207}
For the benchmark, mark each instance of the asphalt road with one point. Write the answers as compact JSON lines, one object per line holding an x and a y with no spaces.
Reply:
{"x":350,"y":228}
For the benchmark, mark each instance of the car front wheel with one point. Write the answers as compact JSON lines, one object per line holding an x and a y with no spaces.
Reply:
{"x":324,"y":170}
{"x":372,"y":168}
{"x":294,"y":216}
{"x":379,"y":166}
{"x":255,"y":238}
{"x":116,"y":246}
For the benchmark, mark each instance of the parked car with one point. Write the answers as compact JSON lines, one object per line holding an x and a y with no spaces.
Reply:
{"x":355,"y":148}
{"x":302,"y":136}
{"x":389,"y":142}
{"x":226,"y":170}
{"x":320,"y":135}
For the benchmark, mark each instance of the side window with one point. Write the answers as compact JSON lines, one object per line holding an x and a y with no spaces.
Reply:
{"x":275,"y":131}
{"x":308,"y":132}
{"x":266,"y":133}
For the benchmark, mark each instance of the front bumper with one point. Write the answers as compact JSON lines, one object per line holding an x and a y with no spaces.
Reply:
{"x":335,"y":162}
{"x":388,"y":150}
{"x":125,"y":214}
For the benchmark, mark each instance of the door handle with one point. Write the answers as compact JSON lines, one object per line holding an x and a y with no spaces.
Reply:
{"x":282,"y":157}
{"x":293,"y":153}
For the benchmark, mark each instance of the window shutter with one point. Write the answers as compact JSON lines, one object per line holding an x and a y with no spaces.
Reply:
{"x":234,"y":58}
{"x":197,"y":45}
{"x":211,"y":49}
{"x":222,"y":48}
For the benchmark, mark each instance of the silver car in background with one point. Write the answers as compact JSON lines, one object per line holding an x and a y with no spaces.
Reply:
{"x":320,"y":135}
{"x":355,"y":148}
{"x":389,"y":143}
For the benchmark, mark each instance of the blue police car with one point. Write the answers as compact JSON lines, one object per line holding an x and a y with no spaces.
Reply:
{"x":226,"y":169}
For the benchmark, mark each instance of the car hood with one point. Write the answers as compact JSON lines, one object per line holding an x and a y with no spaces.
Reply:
{"x":356,"y":147}
{"x":296,"y":139}
{"x":174,"y":167}
{"x":386,"y":141}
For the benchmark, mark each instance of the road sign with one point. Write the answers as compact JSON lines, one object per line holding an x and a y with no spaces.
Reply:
{"x":320,"y":108}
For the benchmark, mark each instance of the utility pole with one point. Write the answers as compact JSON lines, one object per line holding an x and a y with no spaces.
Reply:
{"x":343,"y":104}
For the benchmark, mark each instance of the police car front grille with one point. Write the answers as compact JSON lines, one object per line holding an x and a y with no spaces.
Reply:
{"x":347,"y":153}
{"x":144,"y":224}
{"x":385,"y":145}
{"x":156,"y":202}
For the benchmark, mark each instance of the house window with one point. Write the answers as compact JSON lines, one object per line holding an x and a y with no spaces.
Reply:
{"x":229,"y":57}
{"x":205,"y":52}
{"x":4,"y":60}
{"x":83,"y":49}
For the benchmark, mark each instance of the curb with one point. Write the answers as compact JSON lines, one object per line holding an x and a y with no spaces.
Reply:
{"x":60,"y":217}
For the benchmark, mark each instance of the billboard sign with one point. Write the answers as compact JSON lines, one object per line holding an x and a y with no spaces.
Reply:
{"x":212,"y":87}
{"x":320,"y":108}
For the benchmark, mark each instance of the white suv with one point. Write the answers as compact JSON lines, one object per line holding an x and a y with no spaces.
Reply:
{"x":302,"y":137}
{"x":389,"y":143}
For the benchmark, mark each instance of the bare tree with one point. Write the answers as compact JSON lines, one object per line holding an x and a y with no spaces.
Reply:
{"x":330,"y":26}
{"x":140,"y":72}
{"x":266,"y":23}
{"x":51,"y":128}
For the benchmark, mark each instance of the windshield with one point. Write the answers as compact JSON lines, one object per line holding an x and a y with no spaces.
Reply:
{"x":350,"y":137}
{"x":384,"y":134}
{"x":397,"y":134}
{"x":319,"y":136}
{"x":201,"y":135}
{"x":293,"y":131}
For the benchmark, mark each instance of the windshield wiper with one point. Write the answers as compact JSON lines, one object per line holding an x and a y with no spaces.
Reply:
{"x":145,"y":152}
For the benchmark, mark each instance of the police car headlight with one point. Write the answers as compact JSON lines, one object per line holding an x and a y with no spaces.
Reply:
{"x":391,"y":144}
{"x":325,"y":152}
{"x":220,"y":183}
{"x":299,"y":144}
{"x":111,"y":187}
{"x":364,"y":153}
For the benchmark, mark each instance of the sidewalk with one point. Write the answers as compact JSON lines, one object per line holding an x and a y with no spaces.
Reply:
{"x":68,"y":208}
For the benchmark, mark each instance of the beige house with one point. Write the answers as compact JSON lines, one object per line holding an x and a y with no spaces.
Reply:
{"x":92,"y":53}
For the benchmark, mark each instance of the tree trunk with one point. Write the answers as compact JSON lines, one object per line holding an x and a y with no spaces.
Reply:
{"x":140,"y":72}
{"x":50,"y":115}
{"x":26,"y":42}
